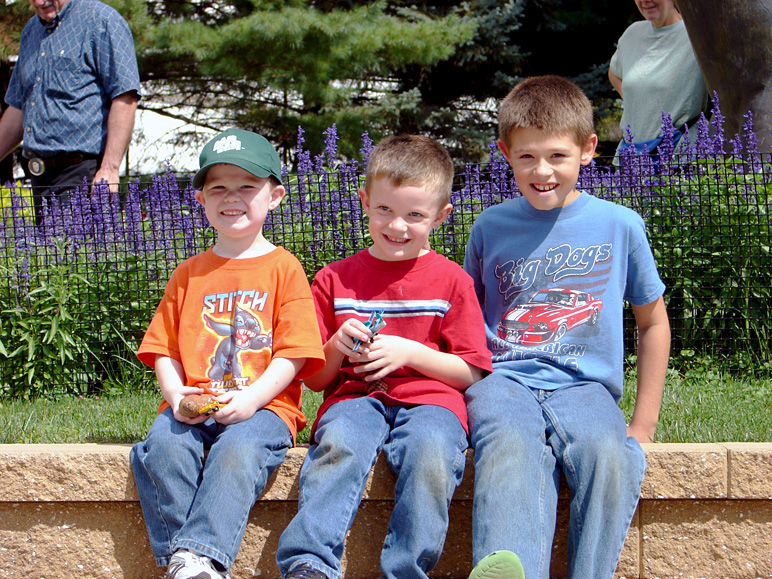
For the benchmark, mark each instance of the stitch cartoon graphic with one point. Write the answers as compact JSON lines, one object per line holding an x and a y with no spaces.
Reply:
{"x":244,"y":333}
{"x":548,"y":315}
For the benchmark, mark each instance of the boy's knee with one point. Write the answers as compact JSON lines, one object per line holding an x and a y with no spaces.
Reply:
{"x":504,"y":450}
{"x":136,"y":454}
{"x":434,"y":449}
{"x":157,"y":444}
{"x":336,"y":448}
{"x":438,"y":473}
{"x":501,"y":436}
{"x":154,"y":455}
{"x":336,"y":434}
{"x":603,"y":448}
{"x":234,"y":453}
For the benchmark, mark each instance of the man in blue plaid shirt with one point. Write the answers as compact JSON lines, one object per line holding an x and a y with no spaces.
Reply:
{"x":72,"y":96}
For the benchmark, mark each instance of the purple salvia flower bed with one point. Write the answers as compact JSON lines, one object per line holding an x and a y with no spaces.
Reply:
{"x":706,"y":209}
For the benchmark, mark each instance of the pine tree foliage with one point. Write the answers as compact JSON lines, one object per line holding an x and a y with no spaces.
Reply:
{"x":12,"y":19}
{"x":427,"y":66}
{"x":272,"y":66}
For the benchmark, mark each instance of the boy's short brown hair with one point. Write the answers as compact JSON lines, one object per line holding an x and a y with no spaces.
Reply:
{"x":412,"y":160}
{"x":550,"y":103}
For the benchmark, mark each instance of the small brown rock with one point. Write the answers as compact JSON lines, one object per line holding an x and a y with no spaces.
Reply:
{"x":194,"y":405}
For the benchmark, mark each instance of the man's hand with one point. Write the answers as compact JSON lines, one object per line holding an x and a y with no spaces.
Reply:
{"x":109,"y":176}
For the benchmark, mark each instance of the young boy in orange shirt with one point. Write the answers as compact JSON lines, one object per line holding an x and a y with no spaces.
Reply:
{"x":237,"y":320}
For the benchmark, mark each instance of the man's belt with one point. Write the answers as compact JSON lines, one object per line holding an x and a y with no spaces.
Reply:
{"x":39,"y":165}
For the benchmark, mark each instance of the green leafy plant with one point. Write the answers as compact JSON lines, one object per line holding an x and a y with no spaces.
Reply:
{"x":45,"y":333}
{"x":710,"y":235}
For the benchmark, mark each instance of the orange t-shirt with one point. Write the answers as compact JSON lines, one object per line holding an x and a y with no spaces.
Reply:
{"x":225,"y":319}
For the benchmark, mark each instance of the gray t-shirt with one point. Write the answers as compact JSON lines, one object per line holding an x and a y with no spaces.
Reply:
{"x":659,"y":72}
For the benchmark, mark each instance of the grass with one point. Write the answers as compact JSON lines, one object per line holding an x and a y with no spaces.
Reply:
{"x":707,"y":405}
{"x":699,"y":405}
{"x":125,"y":418}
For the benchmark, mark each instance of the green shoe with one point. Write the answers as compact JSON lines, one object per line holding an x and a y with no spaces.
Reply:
{"x":498,"y":565}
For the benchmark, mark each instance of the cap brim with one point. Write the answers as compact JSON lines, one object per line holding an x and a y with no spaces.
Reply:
{"x":257,"y":170}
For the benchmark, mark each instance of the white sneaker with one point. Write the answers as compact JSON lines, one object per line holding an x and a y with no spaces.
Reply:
{"x":187,"y":565}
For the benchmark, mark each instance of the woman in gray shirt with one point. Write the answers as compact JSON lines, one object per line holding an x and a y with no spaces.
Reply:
{"x":654,"y":70}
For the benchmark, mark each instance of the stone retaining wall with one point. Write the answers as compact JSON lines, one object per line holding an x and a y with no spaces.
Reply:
{"x":72,"y":511}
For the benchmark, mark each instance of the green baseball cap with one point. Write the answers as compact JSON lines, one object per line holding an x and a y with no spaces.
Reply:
{"x":245,"y":149}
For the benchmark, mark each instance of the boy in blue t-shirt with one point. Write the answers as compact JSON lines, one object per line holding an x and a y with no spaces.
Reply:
{"x":552,"y":270}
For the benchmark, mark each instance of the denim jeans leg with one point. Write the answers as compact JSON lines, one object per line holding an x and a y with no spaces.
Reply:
{"x":604,"y":470}
{"x":167,"y":468}
{"x":516,"y":479}
{"x":426,"y":451}
{"x":348,"y":438}
{"x":240,"y":461}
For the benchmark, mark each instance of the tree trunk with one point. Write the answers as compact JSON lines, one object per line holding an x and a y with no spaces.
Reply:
{"x":732,"y":40}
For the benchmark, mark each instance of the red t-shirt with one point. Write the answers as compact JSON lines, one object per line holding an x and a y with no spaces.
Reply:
{"x":224,"y":320}
{"x":429,"y":299}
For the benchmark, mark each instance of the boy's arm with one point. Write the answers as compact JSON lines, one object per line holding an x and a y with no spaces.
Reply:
{"x":242,"y":404}
{"x":337,"y":348}
{"x":653,"y":353}
{"x":387,"y":353}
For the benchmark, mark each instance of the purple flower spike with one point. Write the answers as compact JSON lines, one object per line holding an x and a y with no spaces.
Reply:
{"x":703,"y":144}
{"x":737,"y":148}
{"x":751,"y":140}
{"x":717,"y":124}
{"x":666,"y":148}
{"x":367,"y":147}
{"x":331,"y":145}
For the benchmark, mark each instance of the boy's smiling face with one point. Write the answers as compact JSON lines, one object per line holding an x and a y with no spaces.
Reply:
{"x":236,"y":202}
{"x":401,"y":219}
{"x":546,"y":166}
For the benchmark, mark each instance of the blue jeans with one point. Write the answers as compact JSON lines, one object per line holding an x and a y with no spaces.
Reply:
{"x":424,"y":446}
{"x":523,"y":438}
{"x":203,"y":507}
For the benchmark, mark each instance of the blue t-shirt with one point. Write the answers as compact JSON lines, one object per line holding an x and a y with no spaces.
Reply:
{"x":67,"y":75}
{"x":552,"y":284}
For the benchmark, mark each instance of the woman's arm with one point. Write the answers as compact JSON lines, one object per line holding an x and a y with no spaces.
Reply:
{"x":616,"y":82}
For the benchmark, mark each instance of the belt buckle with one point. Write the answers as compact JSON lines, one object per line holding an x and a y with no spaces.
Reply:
{"x":36,"y":166}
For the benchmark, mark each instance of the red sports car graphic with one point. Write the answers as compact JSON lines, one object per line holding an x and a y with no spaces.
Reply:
{"x":548,"y":315}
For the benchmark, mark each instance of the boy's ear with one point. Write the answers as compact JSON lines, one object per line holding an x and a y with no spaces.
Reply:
{"x":442,"y":215}
{"x":588,"y":151}
{"x":503,"y":148}
{"x":365,"y":200}
{"x":276,"y":196}
{"x":199,"y":196}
